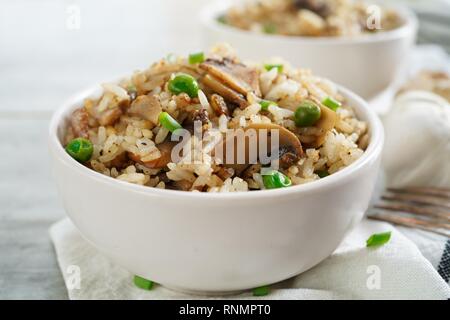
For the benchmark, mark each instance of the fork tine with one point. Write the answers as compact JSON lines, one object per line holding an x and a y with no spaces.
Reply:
{"x":422,"y":222}
{"x":419,"y":199}
{"x":423,"y":211}
{"x":431,"y":191}
{"x":396,"y":220}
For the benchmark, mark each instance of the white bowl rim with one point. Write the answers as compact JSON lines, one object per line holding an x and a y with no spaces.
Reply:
{"x":209,"y":14}
{"x":372,"y":151}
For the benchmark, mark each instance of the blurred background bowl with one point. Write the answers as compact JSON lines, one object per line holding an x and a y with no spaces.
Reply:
{"x":366,"y":64}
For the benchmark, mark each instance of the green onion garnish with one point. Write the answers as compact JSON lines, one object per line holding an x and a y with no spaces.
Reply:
{"x":274,"y":179}
{"x":269,"y":67}
{"x":222,"y":19}
{"x":198,"y":57}
{"x":378,"y":239}
{"x":168,"y":122}
{"x":322,"y":173}
{"x":265,"y":104}
{"x":269,"y":28}
{"x":261,"y":291}
{"x":143,"y":283}
{"x":331,"y":103}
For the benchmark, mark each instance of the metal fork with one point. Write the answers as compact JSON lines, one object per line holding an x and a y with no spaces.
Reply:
{"x":426,"y":208}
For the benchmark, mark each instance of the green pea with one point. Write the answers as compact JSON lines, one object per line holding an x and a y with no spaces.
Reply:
{"x":183,"y":82}
{"x":168,"y":122}
{"x":198,"y":57}
{"x":80,"y":149}
{"x":307,"y":114}
{"x":274,"y":179}
{"x":143,"y":283}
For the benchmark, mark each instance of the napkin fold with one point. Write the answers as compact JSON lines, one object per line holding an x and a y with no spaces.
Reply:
{"x":396,"y":270}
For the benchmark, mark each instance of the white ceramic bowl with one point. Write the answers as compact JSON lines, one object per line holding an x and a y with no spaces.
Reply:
{"x":211,"y":242}
{"x":365,"y":64}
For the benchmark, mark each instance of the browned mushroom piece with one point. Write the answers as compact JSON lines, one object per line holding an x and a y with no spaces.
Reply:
{"x":219,"y":105}
{"x":183,"y":185}
{"x":288,"y":141}
{"x":289,"y":147}
{"x":224,"y":173}
{"x":237,"y":76}
{"x":166,"y":154}
{"x":79,"y":122}
{"x":146,"y":107}
{"x":248,"y":172}
{"x":182,"y":100}
{"x":109,"y":116}
{"x":326,"y":123}
{"x":226,"y":92}
{"x":319,"y":7}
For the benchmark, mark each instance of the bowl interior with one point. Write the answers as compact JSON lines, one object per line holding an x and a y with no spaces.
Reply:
{"x":60,"y":121}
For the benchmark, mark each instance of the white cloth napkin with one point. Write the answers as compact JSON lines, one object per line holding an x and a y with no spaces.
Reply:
{"x":396,"y":270}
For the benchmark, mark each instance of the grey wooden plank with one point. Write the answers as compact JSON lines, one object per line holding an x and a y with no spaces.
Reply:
{"x":42,"y":61}
{"x":29,"y":205}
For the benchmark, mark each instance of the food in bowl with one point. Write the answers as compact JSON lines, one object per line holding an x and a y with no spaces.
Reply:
{"x":132,"y":131}
{"x":313,"y":18}
{"x":437,"y":82}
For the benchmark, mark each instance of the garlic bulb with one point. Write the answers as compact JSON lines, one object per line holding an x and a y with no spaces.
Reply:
{"x":417,"y":148}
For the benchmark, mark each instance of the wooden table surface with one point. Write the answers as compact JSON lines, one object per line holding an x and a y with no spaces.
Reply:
{"x":44,"y":60}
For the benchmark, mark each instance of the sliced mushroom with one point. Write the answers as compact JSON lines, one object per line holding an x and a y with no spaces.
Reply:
{"x":287,"y":139}
{"x":146,"y":107}
{"x":319,"y":7}
{"x":183,"y":185}
{"x":166,"y":154}
{"x":288,"y":143}
{"x":326,"y":123}
{"x":237,"y":76}
{"x":218,"y":105}
{"x":80,"y":122}
{"x":109,"y":116}
{"x":224,"y":91}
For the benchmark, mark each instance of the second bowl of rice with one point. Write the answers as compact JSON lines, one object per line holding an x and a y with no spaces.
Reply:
{"x":335,"y":46}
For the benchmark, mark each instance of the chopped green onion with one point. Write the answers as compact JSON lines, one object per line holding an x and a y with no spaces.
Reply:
{"x":143,"y":283}
{"x":274,"y":179}
{"x":198,"y":57}
{"x":80,"y":149}
{"x":269,"y":67}
{"x":331,"y":103}
{"x":378,"y":239}
{"x":265,"y":104}
{"x":269,"y":28}
{"x":261,"y":291}
{"x":168,"y":122}
{"x":183,"y":82}
{"x":322,"y":173}
{"x":307,"y":114}
{"x":222,"y":19}
{"x":171,"y":58}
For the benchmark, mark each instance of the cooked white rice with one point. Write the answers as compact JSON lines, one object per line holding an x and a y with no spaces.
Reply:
{"x":125,"y":143}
